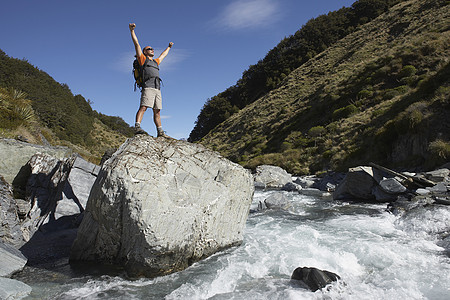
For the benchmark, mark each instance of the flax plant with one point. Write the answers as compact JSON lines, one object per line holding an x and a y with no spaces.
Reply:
{"x":16,"y":102}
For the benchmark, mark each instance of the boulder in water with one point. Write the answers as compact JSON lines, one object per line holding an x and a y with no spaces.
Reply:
{"x":291,"y":187}
{"x":314,"y":278}
{"x":158,"y":205}
{"x":276,"y":201}
{"x":357,"y":184}
{"x":271,"y":177}
{"x":365,"y":183}
{"x":392,"y":186}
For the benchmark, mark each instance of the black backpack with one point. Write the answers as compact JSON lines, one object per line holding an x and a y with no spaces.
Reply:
{"x":138,"y":73}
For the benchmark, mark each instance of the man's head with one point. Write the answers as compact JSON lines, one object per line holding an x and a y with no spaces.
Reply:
{"x":148,"y":51}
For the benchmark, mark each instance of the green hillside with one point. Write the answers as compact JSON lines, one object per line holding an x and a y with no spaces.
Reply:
{"x":314,"y":37}
{"x":379,"y":94}
{"x":40,"y":110}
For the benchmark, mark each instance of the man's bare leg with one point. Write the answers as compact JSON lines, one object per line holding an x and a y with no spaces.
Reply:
{"x":139,"y":116}
{"x":157,"y":120}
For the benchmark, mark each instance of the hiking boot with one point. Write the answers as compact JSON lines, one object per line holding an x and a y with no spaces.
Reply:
{"x":139,"y":130}
{"x":163,"y":134}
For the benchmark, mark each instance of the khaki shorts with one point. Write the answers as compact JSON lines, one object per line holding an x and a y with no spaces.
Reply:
{"x":151,"y":97}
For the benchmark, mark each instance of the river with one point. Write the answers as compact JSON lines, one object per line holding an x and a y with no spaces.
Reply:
{"x":377,"y":255}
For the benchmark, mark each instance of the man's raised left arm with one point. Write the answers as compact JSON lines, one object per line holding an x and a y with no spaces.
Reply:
{"x":165,"y":52}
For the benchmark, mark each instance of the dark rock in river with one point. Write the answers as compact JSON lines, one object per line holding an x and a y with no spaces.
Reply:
{"x":314,"y":278}
{"x":357,"y":184}
{"x":305,"y":181}
{"x":392,"y":186}
{"x":329,"y":181}
{"x":291,"y":187}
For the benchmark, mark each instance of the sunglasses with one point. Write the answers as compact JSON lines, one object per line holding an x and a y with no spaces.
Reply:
{"x":148,"y":49}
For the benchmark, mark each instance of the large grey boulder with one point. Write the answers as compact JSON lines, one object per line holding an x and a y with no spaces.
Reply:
{"x":357,"y":184}
{"x":271,"y":177}
{"x":55,"y":194}
{"x":15,"y":154}
{"x":365,"y":183}
{"x":158,"y":205}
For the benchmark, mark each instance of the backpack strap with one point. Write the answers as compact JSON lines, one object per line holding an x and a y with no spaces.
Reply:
{"x":142,"y":71}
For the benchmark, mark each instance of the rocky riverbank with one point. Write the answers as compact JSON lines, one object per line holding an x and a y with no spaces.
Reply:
{"x":370,"y":184}
{"x":40,"y":218}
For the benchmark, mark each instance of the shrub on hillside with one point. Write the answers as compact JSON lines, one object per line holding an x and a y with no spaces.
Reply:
{"x":9,"y":119}
{"x":116,"y":123}
{"x":407,"y":71}
{"x":297,"y":139}
{"x":391,"y":93}
{"x":440,"y":149}
{"x":363,"y":94}
{"x":345,"y":112}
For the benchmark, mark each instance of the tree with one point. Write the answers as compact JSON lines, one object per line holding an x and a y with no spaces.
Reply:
{"x":316,"y":132}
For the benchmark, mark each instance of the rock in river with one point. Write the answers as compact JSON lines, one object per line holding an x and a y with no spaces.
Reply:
{"x":271,"y":177}
{"x":314,"y":278}
{"x":159,"y":204}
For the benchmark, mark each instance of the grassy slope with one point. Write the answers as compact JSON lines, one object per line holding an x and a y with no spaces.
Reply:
{"x":42,"y":111}
{"x":277,"y":128}
{"x":35,"y":133}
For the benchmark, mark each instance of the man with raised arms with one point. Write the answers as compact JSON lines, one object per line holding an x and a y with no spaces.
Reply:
{"x":151,"y":90}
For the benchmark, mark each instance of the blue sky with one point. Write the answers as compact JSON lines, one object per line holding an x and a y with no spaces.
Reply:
{"x":87,"y":45}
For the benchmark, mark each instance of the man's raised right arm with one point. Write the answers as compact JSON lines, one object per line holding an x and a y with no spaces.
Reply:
{"x":137,"y":47}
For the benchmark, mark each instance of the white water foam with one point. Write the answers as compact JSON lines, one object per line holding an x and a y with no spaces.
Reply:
{"x":373,"y":254}
{"x":376,"y":254}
